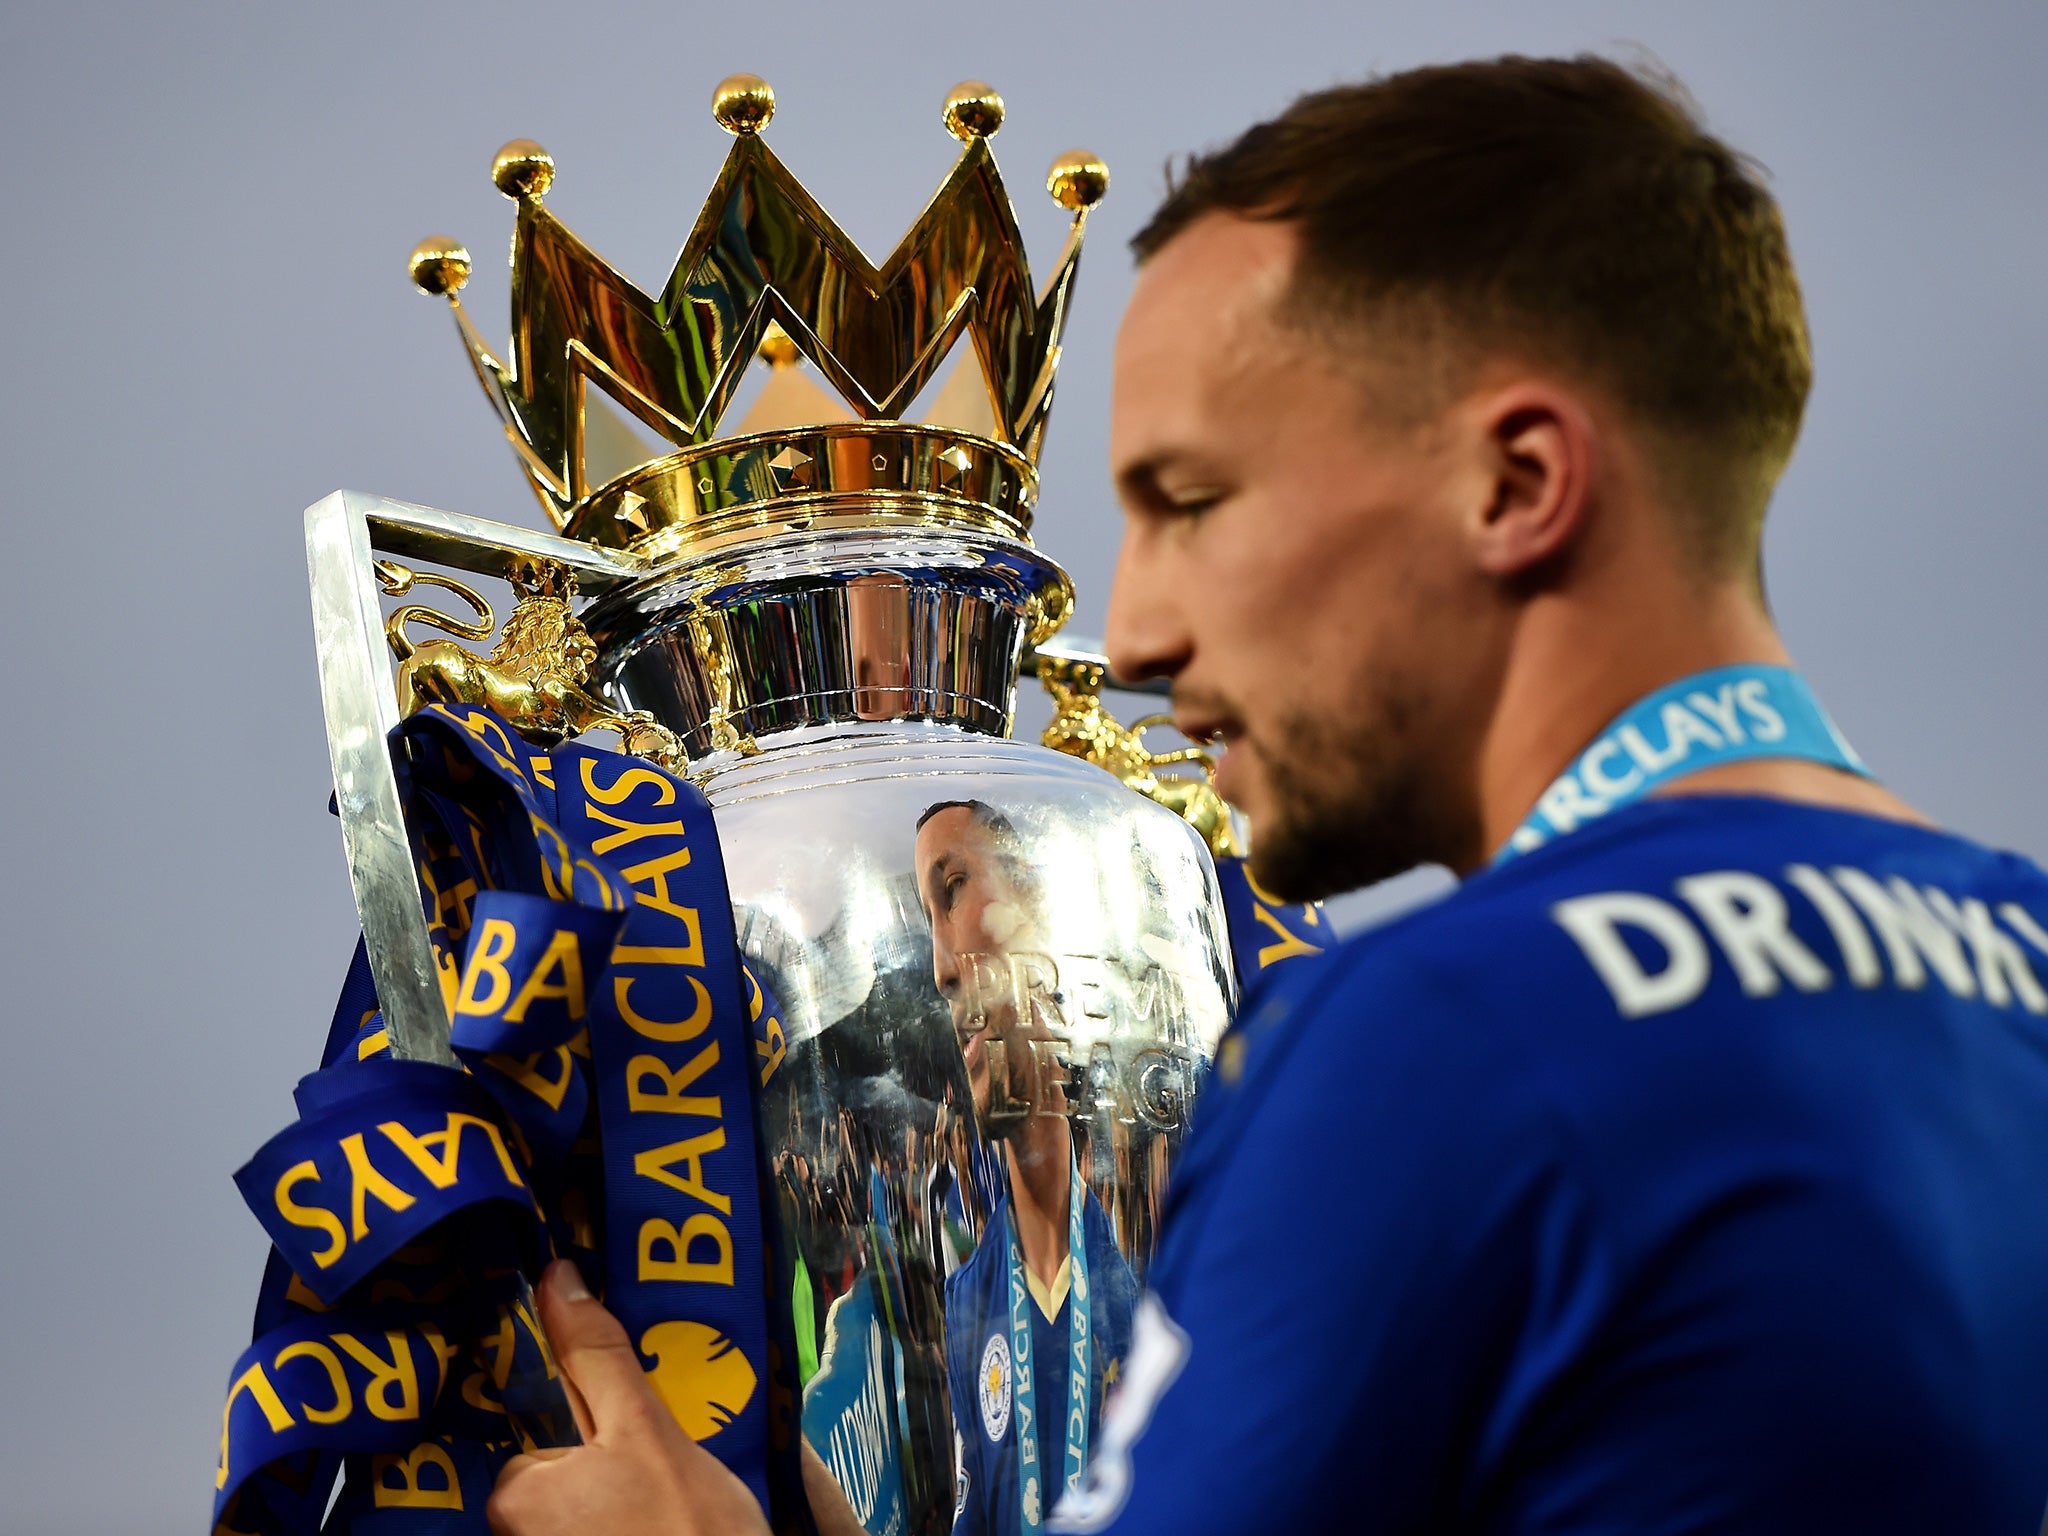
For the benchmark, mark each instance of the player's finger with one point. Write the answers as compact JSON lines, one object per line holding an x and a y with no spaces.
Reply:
{"x":595,"y":1355}
{"x":505,"y":1509}
{"x":586,"y":1431}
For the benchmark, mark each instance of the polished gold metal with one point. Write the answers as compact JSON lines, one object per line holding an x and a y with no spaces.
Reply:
{"x":439,"y":265}
{"x":763,"y":254}
{"x":523,"y":169}
{"x":532,"y":678}
{"x":777,"y":350}
{"x":395,"y":580}
{"x":743,"y":103}
{"x":1082,"y":728}
{"x":973,"y":110}
{"x":1078,"y":179}
{"x":852,"y":474}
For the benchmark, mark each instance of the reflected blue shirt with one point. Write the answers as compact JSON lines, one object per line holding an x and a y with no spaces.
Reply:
{"x":982,"y":1379}
{"x":1688,"y":1174}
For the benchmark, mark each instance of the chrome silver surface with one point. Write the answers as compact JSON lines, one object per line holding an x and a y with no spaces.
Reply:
{"x":1033,"y":980}
{"x":997,"y":965}
{"x":827,"y":627}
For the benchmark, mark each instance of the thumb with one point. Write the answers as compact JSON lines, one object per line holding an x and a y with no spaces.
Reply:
{"x":593,"y":1350}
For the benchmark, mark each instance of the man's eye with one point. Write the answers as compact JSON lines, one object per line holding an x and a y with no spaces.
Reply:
{"x":950,"y":895}
{"x":1190,"y":503}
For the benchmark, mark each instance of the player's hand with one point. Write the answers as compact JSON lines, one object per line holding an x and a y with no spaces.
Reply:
{"x":637,"y":1473}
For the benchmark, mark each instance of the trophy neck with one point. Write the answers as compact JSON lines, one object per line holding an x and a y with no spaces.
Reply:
{"x":814,"y":629}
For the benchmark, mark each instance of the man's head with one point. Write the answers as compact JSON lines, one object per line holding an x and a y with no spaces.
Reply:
{"x":1401,"y":364}
{"x":980,"y":896}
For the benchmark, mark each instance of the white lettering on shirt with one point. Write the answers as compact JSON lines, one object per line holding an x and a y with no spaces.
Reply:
{"x":1652,"y":957}
{"x":1913,"y":937}
{"x":1748,"y":918}
{"x":1596,"y":923}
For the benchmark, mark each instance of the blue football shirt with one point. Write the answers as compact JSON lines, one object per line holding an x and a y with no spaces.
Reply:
{"x":1688,"y":1174}
{"x":982,"y":1376}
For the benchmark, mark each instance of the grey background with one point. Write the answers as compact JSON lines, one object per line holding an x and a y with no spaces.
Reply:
{"x":208,"y":326}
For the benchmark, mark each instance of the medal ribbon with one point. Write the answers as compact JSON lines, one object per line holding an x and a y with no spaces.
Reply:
{"x":1725,"y":715}
{"x":1080,"y":1359}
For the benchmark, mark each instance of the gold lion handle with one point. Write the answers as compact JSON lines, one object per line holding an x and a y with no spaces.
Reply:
{"x":532,"y":679}
{"x":396,"y":580}
{"x":643,"y":736}
{"x":1081,"y":727}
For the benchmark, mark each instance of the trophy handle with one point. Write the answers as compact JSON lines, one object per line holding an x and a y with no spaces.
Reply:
{"x":345,"y":533}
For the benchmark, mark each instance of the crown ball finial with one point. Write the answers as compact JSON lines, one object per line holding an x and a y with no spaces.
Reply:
{"x":1077,"y":180}
{"x":743,"y":104}
{"x":439,"y":265}
{"x":777,"y":349}
{"x":523,"y":169}
{"x":973,"y":110}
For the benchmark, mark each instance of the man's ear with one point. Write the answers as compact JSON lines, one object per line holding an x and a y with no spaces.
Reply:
{"x":1541,"y":453}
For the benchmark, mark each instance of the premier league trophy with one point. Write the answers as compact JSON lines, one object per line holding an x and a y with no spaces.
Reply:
{"x":872,"y":1169}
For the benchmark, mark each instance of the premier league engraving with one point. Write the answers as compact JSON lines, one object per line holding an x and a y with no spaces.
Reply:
{"x":972,"y":984}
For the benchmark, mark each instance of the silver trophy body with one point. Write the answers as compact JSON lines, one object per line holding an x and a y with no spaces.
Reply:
{"x":990,"y":957}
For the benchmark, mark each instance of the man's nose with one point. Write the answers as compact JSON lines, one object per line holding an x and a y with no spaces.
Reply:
{"x":945,"y":971}
{"x":1145,"y":636}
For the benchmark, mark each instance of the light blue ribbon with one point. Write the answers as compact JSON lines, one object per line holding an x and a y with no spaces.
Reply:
{"x":1726,"y":715}
{"x":1031,"y":1495}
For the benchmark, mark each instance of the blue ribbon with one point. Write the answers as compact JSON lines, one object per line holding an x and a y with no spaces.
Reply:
{"x":1031,"y":1493}
{"x":1725,"y":715}
{"x":672,"y":1054}
{"x":384,"y":1151}
{"x":578,"y":910}
{"x":1265,"y":931}
{"x":369,"y":1385}
{"x":435,"y":1487}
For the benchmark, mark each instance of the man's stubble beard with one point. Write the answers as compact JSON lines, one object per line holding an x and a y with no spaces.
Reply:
{"x":1352,"y":798}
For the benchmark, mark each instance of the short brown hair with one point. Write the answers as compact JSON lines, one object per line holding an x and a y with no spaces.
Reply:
{"x":1568,"y":205}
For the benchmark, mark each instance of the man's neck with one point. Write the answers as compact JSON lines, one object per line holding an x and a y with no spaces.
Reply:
{"x":1041,"y":1180}
{"x":1576,"y":664}
{"x":1808,"y":783}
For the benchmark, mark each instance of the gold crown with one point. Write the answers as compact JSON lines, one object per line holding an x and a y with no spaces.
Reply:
{"x":768,"y":271}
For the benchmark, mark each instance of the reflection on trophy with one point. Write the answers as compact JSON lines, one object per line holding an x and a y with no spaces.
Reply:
{"x":1001,"y":973}
{"x":1049,"y":1232}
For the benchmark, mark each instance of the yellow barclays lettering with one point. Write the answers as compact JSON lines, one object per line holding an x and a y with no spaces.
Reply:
{"x":258,"y":1385}
{"x":660,"y":1164}
{"x":680,"y":1243}
{"x":344,"y":1400}
{"x":396,"y":1481}
{"x":667,"y":1031}
{"x":391,"y":1391}
{"x":528,"y":1073}
{"x":435,"y":1154}
{"x":700,"y":1248}
{"x":771,"y":1044}
{"x":488,"y":983}
{"x":670,"y":1098}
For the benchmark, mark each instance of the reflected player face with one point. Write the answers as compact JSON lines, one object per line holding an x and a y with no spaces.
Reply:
{"x":974,"y":910}
{"x":1293,"y":560}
